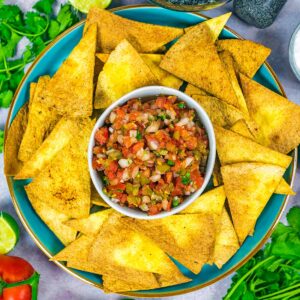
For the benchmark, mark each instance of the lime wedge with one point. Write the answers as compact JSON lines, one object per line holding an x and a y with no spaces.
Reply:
{"x":9,"y":233}
{"x":85,"y":5}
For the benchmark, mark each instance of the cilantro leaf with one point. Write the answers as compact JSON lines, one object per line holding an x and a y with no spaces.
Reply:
{"x":44,"y":6}
{"x":5,"y":98}
{"x":35,"y":23}
{"x":66,"y":17}
{"x":54,"y":29}
{"x":9,"y":49}
{"x":1,"y":140}
{"x":293,"y":217}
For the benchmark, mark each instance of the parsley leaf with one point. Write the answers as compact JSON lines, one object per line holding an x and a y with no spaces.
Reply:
{"x":44,"y":6}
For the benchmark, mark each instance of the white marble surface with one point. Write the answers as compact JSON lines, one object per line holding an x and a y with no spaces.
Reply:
{"x":55,"y":283}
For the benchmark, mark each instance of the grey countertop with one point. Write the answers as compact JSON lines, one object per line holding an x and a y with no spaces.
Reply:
{"x":55,"y":283}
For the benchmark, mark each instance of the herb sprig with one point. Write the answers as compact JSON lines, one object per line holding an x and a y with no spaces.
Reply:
{"x":39,"y":26}
{"x":274,"y":272}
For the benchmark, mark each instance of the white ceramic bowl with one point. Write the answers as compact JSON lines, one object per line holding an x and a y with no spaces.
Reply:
{"x":292,"y":55}
{"x":141,"y":93}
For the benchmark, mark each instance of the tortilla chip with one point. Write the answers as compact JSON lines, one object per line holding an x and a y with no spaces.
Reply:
{"x":226,"y":243}
{"x":65,"y":183}
{"x":41,"y":119}
{"x":193,"y":90}
{"x":115,"y":284}
{"x":212,"y":202}
{"x":153,"y":60}
{"x":91,"y":225}
{"x":229,"y":65}
{"x":248,"y":56}
{"x":96,"y":198}
{"x":12,"y":164}
{"x":145,"y":38}
{"x":194,"y":58}
{"x":217,"y":177}
{"x":278,"y":118}
{"x":248,"y":187}
{"x":70,"y":91}
{"x":132,"y":72}
{"x":133,"y":255}
{"x":215,"y":25}
{"x":63,"y":132}
{"x":240,"y":127}
{"x":220,"y":113}
{"x":31,"y":92}
{"x":52,"y":218}
{"x":234,"y":148}
{"x":284,"y":188}
{"x":188,"y":238}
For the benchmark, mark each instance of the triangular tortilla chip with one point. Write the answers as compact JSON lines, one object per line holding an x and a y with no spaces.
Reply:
{"x":31,"y":92}
{"x":96,"y":198}
{"x":226,"y":241}
{"x":248,"y":56}
{"x":188,"y":238}
{"x":211,"y":202}
{"x":92,"y":224}
{"x":153,"y":60}
{"x":229,"y":65}
{"x":284,"y":188}
{"x":59,"y":137}
{"x":145,"y":38}
{"x":217,"y":177}
{"x":234,"y":148}
{"x":193,"y":90}
{"x":71,"y":88}
{"x":53,"y":219}
{"x":132,"y":72}
{"x":133,"y":255}
{"x":65,"y":183}
{"x":220,"y":113}
{"x":76,"y":255}
{"x":278,"y":118}
{"x":194,"y":58}
{"x":12,"y":164}
{"x":248,"y":187}
{"x":41,"y":120}
{"x":215,"y":25}
{"x":241,"y":128}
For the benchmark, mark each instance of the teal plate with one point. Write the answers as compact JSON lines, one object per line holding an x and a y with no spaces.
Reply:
{"x":47,"y":63}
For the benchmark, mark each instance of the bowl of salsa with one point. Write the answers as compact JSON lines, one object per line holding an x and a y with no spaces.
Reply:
{"x":152,"y":152}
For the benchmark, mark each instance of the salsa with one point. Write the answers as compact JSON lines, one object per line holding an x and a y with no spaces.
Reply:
{"x":151,"y":154}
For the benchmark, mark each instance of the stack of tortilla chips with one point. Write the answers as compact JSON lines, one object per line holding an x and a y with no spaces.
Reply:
{"x":255,"y":130}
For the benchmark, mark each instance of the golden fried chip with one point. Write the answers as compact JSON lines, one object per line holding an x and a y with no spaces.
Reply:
{"x":234,"y":148}
{"x":76,"y":255}
{"x":123,"y":252}
{"x":12,"y":164}
{"x":284,"y":188}
{"x":220,"y":113}
{"x":229,"y":65}
{"x":41,"y":119}
{"x":226,"y":241}
{"x":153,"y":60}
{"x":70,"y":91}
{"x":96,"y":198}
{"x":194,"y":58}
{"x":145,"y":38}
{"x":217,"y":177}
{"x":65,"y":183}
{"x":212,"y":202}
{"x":215,"y":25}
{"x":188,"y":238}
{"x":240,"y":127}
{"x":248,"y":56}
{"x":278,"y":118}
{"x":193,"y":90}
{"x":92,"y":224}
{"x":248,"y":188}
{"x":60,"y":136}
{"x":52,"y":218}
{"x":132,"y":72}
{"x":31,"y":92}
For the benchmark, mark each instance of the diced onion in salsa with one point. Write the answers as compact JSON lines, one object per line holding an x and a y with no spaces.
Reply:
{"x":151,"y":154}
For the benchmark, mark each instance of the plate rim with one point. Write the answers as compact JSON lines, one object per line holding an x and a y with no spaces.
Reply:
{"x":71,"y":271}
